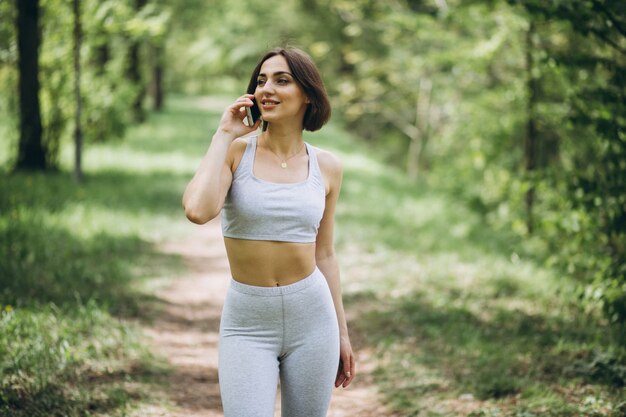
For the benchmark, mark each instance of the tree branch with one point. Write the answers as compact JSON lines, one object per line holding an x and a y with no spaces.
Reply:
{"x":408,"y":129}
{"x":608,"y":41}
{"x":610,"y":16}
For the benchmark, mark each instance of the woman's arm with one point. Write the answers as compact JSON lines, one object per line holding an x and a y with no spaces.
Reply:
{"x":204,"y":196}
{"x":326,"y":260}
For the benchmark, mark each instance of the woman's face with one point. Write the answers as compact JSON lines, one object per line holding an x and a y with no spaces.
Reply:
{"x":277,"y":93}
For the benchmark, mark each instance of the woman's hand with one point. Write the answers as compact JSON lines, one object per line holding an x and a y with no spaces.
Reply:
{"x":345,"y":373}
{"x":232,"y":123}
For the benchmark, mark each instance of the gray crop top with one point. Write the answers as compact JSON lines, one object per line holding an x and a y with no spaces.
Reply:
{"x":256,"y":209}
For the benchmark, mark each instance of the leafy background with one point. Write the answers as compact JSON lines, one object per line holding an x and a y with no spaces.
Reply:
{"x":489,"y":133}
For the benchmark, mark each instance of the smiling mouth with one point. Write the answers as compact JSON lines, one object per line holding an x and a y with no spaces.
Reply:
{"x":269,"y":102}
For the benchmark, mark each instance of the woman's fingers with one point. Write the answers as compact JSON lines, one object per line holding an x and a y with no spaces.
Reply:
{"x":348,"y":369}
{"x":345,"y":371}
{"x":340,"y":376}
{"x":246,"y":99}
{"x":243,"y":101}
{"x":234,"y":115}
{"x":238,"y":108}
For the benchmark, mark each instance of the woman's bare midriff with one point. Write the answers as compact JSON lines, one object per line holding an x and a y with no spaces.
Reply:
{"x":266,"y":263}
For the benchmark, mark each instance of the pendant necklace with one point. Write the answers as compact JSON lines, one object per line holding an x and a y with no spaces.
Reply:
{"x":283,"y":163}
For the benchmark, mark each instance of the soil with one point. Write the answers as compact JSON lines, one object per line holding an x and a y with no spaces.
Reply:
{"x":185,"y":332}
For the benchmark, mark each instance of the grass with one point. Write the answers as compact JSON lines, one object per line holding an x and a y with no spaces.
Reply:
{"x":458,"y":319}
{"x":77,"y":265}
{"x":72,"y":361}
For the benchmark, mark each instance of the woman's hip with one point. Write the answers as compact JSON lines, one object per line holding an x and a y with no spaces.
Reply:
{"x":306,"y":304}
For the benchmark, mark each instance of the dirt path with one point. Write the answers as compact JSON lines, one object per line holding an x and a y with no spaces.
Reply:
{"x":187,"y":334}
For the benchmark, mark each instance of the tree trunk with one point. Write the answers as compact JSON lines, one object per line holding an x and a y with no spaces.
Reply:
{"x":157,"y":77}
{"x":102,"y":56}
{"x":530,"y":143}
{"x":78,"y":133}
{"x":31,"y":151}
{"x":134,"y":74}
{"x":415,"y":149}
{"x":419,"y":138}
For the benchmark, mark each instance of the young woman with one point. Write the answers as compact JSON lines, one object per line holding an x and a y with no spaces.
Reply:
{"x":283,"y":315}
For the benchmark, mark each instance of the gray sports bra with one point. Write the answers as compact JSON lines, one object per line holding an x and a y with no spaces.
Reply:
{"x":256,"y":209}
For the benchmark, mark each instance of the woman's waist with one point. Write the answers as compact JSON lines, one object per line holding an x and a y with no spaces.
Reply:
{"x":269,"y":263}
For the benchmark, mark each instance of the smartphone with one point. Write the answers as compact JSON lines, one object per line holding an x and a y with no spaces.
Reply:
{"x":252,"y":113}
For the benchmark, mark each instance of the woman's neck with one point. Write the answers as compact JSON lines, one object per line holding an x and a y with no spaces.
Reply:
{"x":282,"y":139}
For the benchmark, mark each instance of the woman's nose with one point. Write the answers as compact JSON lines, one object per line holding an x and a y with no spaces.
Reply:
{"x":267,"y":87}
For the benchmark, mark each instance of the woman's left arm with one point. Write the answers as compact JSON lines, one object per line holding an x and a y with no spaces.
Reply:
{"x":327,"y":263}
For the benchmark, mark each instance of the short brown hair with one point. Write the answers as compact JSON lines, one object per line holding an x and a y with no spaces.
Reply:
{"x":308,"y":77}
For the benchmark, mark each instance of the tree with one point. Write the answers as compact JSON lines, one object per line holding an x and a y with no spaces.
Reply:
{"x":31,"y":151}
{"x":133,"y":72}
{"x":530,"y":145}
{"x":157,"y":76}
{"x":78,"y":133}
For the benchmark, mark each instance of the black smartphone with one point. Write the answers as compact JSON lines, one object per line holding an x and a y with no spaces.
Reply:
{"x":253,"y":113}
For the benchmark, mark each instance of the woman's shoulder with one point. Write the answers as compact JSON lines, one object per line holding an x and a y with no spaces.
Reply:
{"x":238,"y":146}
{"x":241,"y":142}
{"x":328,"y":161}
{"x":236,"y":150}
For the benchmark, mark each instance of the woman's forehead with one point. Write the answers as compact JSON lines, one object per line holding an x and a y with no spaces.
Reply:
{"x":275,"y":64}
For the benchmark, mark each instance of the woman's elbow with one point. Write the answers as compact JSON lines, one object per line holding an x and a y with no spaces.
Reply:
{"x":325,"y":254}
{"x":199,"y":216}
{"x":194,"y":218}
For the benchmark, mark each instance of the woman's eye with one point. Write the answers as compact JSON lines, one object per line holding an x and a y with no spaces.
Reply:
{"x":260,"y":82}
{"x":283,"y":81}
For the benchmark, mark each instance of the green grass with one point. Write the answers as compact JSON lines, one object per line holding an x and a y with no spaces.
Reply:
{"x":74,"y":274}
{"x":458,"y":319}
{"x":70,"y":361}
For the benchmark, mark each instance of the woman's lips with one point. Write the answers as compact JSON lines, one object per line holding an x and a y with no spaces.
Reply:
{"x":269,"y":103}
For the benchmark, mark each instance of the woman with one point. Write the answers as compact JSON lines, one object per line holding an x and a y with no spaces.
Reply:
{"x":283,"y":315}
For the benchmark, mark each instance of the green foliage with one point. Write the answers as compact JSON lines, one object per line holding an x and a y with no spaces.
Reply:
{"x":8,"y":81}
{"x":589,"y":66}
{"x":465,"y":62}
{"x":216,"y":58}
{"x":108,"y":29}
{"x":474,"y":56}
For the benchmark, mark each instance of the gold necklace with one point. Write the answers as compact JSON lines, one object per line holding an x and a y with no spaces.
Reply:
{"x":283,"y":163}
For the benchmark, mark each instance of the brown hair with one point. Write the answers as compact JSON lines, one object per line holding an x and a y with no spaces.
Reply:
{"x":308,"y":77}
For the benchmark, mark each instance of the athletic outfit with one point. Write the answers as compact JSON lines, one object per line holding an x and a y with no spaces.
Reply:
{"x":287,"y":331}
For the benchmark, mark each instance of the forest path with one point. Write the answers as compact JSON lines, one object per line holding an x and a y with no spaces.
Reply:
{"x":186,"y":333}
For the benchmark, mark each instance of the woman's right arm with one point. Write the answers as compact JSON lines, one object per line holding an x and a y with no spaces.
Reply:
{"x":204,"y":196}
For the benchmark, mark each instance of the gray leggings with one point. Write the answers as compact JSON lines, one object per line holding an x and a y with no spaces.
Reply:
{"x":289,"y":331}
